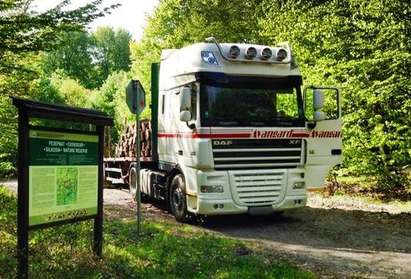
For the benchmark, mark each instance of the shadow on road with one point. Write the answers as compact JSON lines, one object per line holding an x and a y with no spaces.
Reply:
{"x":330,"y":242}
{"x":317,"y":227}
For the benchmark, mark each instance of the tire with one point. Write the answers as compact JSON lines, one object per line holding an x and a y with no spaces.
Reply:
{"x":177,"y":198}
{"x":132,"y":182}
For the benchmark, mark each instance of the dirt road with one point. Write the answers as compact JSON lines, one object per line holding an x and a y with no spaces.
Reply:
{"x":332,"y":239}
{"x":333,"y":242}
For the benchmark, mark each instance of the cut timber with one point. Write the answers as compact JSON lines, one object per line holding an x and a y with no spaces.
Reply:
{"x":126,"y":144}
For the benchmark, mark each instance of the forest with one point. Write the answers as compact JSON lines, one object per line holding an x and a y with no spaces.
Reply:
{"x":361,"y":47}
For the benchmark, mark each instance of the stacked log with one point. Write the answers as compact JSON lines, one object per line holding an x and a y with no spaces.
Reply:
{"x":126,"y":146}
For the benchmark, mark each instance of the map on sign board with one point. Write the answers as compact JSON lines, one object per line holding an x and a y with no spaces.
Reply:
{"x":63,"y":176}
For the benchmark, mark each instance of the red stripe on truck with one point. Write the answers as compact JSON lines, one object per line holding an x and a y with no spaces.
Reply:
{"x":202,"y":136}
{"x":256,"y":134}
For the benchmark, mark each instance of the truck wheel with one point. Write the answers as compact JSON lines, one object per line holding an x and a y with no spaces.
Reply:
{"x":178,"y":202}
{"x":132,"y":182}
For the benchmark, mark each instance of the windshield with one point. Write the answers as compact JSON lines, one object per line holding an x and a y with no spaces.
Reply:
{"x":249,"y":105}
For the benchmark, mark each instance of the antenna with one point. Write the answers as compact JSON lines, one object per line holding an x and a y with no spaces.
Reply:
{"x":214,"y":40}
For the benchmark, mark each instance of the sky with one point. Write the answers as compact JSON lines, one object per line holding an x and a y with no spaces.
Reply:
{"x":131,"y":15}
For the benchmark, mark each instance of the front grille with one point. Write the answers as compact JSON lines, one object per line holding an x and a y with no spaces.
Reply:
{"x":257,"y":188}
{"x":256,"y":153}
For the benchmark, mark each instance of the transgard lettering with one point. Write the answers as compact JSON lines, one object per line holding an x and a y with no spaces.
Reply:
{"x":262,"y":134}
{"x":326,"y":134}
{"x":271,"y":134}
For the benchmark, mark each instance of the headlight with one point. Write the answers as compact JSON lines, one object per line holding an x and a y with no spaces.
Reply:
{"x":266,"y":53}
{"x":211,"y":189}
{"x":281,"y":54}
{"x":250,"y":52}
{"x":299,"y":185}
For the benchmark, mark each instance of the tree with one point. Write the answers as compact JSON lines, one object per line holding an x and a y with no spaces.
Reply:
{"x":74,"y":59}
{"x":23,"y":33}
{"x":90,"y":58}
{"x":110,"y":98}
{"x":111,"y":50}
{"x":23,"y":30}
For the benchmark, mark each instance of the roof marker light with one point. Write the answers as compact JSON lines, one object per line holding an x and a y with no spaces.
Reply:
{"x":281,"y":54}
{"x":250,"y":52}
{"x":266,"y":53}
{"x":234,"y":51}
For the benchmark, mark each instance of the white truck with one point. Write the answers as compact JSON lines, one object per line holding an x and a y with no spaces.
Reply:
{"x":233,"y":132}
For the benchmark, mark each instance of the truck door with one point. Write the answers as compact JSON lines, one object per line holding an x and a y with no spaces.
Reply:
{"x":323,"y":146}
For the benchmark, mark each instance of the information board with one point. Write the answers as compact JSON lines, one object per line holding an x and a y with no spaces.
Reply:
{"x":63,"y":176}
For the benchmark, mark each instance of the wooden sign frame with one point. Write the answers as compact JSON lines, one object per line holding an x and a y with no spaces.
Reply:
{"x":30,"y":109}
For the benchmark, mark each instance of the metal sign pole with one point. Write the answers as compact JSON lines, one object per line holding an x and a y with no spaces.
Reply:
{"x":138,"y":192}
{"x":136,"y":102}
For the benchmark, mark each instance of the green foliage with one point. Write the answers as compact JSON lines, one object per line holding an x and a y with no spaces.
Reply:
{"x":90,"y":58}
{"x":74,"y":58}
{"x":15,"y":85}
{"x":165,"y":250}
{"x":23,"y":33}
{"x":23,"y":30}
{"x":361,"y":47}
{"x":110,"y":98}
{"x":112,"y":50}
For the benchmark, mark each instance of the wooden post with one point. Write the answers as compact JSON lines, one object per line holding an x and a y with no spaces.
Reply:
{"x":98,"y":220}
{"x":23,"y":198}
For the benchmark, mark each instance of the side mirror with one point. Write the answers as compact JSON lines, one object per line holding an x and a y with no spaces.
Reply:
{"x":321,"y":103}
{"x":318,"y":104}
{"x":185,"y":99}
{"x":319,"y":116}
{"x":318,"y":99}
{"x":185,"y":115}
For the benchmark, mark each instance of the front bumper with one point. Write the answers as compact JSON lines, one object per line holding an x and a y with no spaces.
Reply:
{"x":226,"y":207}
{"x":245,"y":191}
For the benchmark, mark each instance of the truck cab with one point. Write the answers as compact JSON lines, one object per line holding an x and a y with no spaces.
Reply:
{"x":235,"y":131}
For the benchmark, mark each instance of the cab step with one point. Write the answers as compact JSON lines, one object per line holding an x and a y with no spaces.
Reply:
{"x":117,"y":170}
{"x":115,"y":180}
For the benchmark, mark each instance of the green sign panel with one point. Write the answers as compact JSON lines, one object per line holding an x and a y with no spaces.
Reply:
{"x":63,"y":176}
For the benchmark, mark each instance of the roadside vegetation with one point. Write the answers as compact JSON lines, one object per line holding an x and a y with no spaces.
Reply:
{"x":165,"y":250}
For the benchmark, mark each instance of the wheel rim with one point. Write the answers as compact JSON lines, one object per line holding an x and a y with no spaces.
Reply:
{"x":177,"y":199}
{"x":132,"y":182}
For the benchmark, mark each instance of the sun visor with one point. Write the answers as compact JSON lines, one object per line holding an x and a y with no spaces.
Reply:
{"x":222,"y":79}
{"x":180,"y":80}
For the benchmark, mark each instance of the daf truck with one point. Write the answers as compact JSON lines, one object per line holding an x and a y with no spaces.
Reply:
{"x":234,"y":132}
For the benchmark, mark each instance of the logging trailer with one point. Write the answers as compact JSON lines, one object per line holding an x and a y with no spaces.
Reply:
{"x":232,"y":132}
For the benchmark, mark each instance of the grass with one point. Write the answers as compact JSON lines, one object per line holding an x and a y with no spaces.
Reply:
{"x":165,"y":250}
